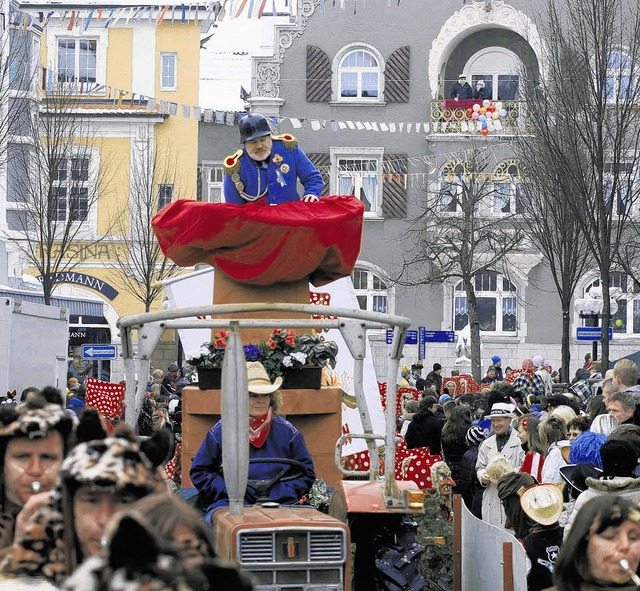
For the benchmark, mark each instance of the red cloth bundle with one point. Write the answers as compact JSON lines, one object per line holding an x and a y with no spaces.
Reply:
{"x":259,"y":244}
{"x":105,"y":397}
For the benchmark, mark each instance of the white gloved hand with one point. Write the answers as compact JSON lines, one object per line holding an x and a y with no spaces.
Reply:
{"x":310,"y":199}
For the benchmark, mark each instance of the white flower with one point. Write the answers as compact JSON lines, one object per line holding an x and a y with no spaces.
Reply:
{"x":300,"y":357}
{"x":204,"y":351}
{"x":287,"y":361}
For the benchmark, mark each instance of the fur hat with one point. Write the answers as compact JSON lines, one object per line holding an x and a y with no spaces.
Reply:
{"x":258,"y":380}
{"x":542,"y":503}
{"x":34,"y":420}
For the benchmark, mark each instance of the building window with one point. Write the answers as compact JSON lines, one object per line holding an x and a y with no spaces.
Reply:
{"x":358,"y":75}
{"x":497,"y":304}
{"x":69,"y":198}
{"x":626,"y":292}
{"x":165,"y":195}
{"x":508,"y":190}
{"x":357,"y":171}
{"x":499,"y":69}
{"x":624,"y":191}
{"x":212,"y":179}
{"x":451,"y":187}
{"x":620,"y":82}
{"x":371,"y":290}
{"x":77,"y":60}
{"x":168,"y":71}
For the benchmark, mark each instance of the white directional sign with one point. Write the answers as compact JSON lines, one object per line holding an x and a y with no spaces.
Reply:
{"x":99,"y":351}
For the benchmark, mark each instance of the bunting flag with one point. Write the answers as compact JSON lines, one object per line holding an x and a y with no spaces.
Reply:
{"x":105,"y":397}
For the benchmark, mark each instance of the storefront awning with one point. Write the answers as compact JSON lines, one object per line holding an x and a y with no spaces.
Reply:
{"x":76,"y":307}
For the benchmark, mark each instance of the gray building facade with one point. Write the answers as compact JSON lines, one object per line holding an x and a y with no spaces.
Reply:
{"x":368,"y":94}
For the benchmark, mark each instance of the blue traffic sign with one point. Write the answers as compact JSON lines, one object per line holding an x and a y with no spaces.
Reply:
{"x":438,"y":336}
{"x":99,"y":352}
{"x":411,"y":337}
{"x":591,"y":333}
{"x":422,"y":350}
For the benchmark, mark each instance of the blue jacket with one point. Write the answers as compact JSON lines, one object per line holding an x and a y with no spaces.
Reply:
{"x":461,"y":91}
{"x":247,"y":180}
{"x":284,"y":441}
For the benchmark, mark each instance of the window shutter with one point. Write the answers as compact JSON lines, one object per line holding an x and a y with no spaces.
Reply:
{"x":396,"y":89}
{"x":394,"y":186}
{"x":318,"y":75}
{"x":322,"y":162}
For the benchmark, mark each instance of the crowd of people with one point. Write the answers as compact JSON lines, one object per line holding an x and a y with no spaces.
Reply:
{"x":558,"y":467}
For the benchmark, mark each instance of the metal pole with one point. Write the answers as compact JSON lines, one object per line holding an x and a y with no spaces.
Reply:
{"x":457,"y":542}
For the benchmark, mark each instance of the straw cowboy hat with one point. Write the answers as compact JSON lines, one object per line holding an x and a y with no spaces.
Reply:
{"x":258,"y":379}
{"x":543,"y":503}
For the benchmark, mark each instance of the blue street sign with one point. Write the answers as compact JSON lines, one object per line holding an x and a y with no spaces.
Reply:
{"x":422,"y":350}
{"x":591,"y":333}
{"x":99,"y":352}
{"x":411,"y":337}
{"x":439,"y":336}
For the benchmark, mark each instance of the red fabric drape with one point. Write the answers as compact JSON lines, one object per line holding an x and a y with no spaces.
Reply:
{"x":260,"y":244}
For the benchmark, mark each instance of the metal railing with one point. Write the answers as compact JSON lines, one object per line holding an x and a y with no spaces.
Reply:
{"x":353,"y":326}
{"x":447,"y":120}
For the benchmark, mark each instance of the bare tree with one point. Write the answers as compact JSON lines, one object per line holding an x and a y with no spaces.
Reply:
{"x":141,"y":262}
{"x":548,"y":221}
{"x":583,"y":116}
{"x":456,"y":237}
{"x":55,"y":181}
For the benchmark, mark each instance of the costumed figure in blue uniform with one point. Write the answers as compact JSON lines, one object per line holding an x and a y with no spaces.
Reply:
{"x":268,"y":166}
{"x":270,"y":436}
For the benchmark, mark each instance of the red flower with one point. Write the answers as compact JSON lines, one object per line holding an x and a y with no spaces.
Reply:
{"x":276,"y":331}
{"x":272,"y":345}
{"x":290,"y":341}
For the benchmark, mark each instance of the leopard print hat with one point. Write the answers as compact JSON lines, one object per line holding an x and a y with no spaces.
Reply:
{"x":115,"y":463}
{"x":34,"y":420}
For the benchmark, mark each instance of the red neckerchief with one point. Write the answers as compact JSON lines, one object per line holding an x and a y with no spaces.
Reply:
{"x":259,"y":428}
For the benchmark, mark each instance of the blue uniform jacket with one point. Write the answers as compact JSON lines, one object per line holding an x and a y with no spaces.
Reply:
{"x":284,"y":441}
{"x":246,"y":180}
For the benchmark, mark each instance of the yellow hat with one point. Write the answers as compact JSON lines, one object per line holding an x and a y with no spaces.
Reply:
{"x":258,"y":379}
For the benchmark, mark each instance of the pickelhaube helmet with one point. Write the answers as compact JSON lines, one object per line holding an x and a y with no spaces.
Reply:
{"x":253,"y":126}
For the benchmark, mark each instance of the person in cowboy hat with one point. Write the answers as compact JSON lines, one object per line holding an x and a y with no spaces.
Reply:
{"x":268,"y":166}
{"x":504,"y":440}
{"x":543,"y":504}
{"x":270,"y":436}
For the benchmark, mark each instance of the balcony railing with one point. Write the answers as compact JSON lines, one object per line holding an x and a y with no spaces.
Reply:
{"x":449,"y":117}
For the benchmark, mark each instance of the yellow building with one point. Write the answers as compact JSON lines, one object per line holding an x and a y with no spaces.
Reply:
{"x":121,"y":81}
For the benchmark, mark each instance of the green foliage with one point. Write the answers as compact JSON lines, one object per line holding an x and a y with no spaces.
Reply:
{"x":437,"y":560}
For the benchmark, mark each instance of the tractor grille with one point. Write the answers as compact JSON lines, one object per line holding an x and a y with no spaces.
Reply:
{"x":292,"y":546}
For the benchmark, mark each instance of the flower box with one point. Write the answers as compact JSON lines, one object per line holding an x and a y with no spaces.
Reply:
{"x":303,"y":378}
{"x":209,"y":379}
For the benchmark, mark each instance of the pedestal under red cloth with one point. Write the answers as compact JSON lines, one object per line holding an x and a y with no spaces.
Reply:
{"x":261,"y":244}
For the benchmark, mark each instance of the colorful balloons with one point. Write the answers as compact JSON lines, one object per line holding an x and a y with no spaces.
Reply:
{"x":503,"y":113}
{"x":469,"y":112}
{"x":483,"y":110}
{"x":486,"y":102}
{"x":495,"y":115}
{"x":476,"y":108}
{"x":485,"y":132}
{"x":475,"y":116}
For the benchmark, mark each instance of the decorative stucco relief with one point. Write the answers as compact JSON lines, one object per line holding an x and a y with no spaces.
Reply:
{"x":476,"y":16}
{"x":266,"y":79}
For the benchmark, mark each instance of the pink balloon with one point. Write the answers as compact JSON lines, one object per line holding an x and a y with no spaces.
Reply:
{"x":475,"y":116}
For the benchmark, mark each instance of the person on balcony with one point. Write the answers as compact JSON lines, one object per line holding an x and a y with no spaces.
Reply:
{"x":481,"y":91}
{"x":268,"y":166}
{"x":461,"y":89}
